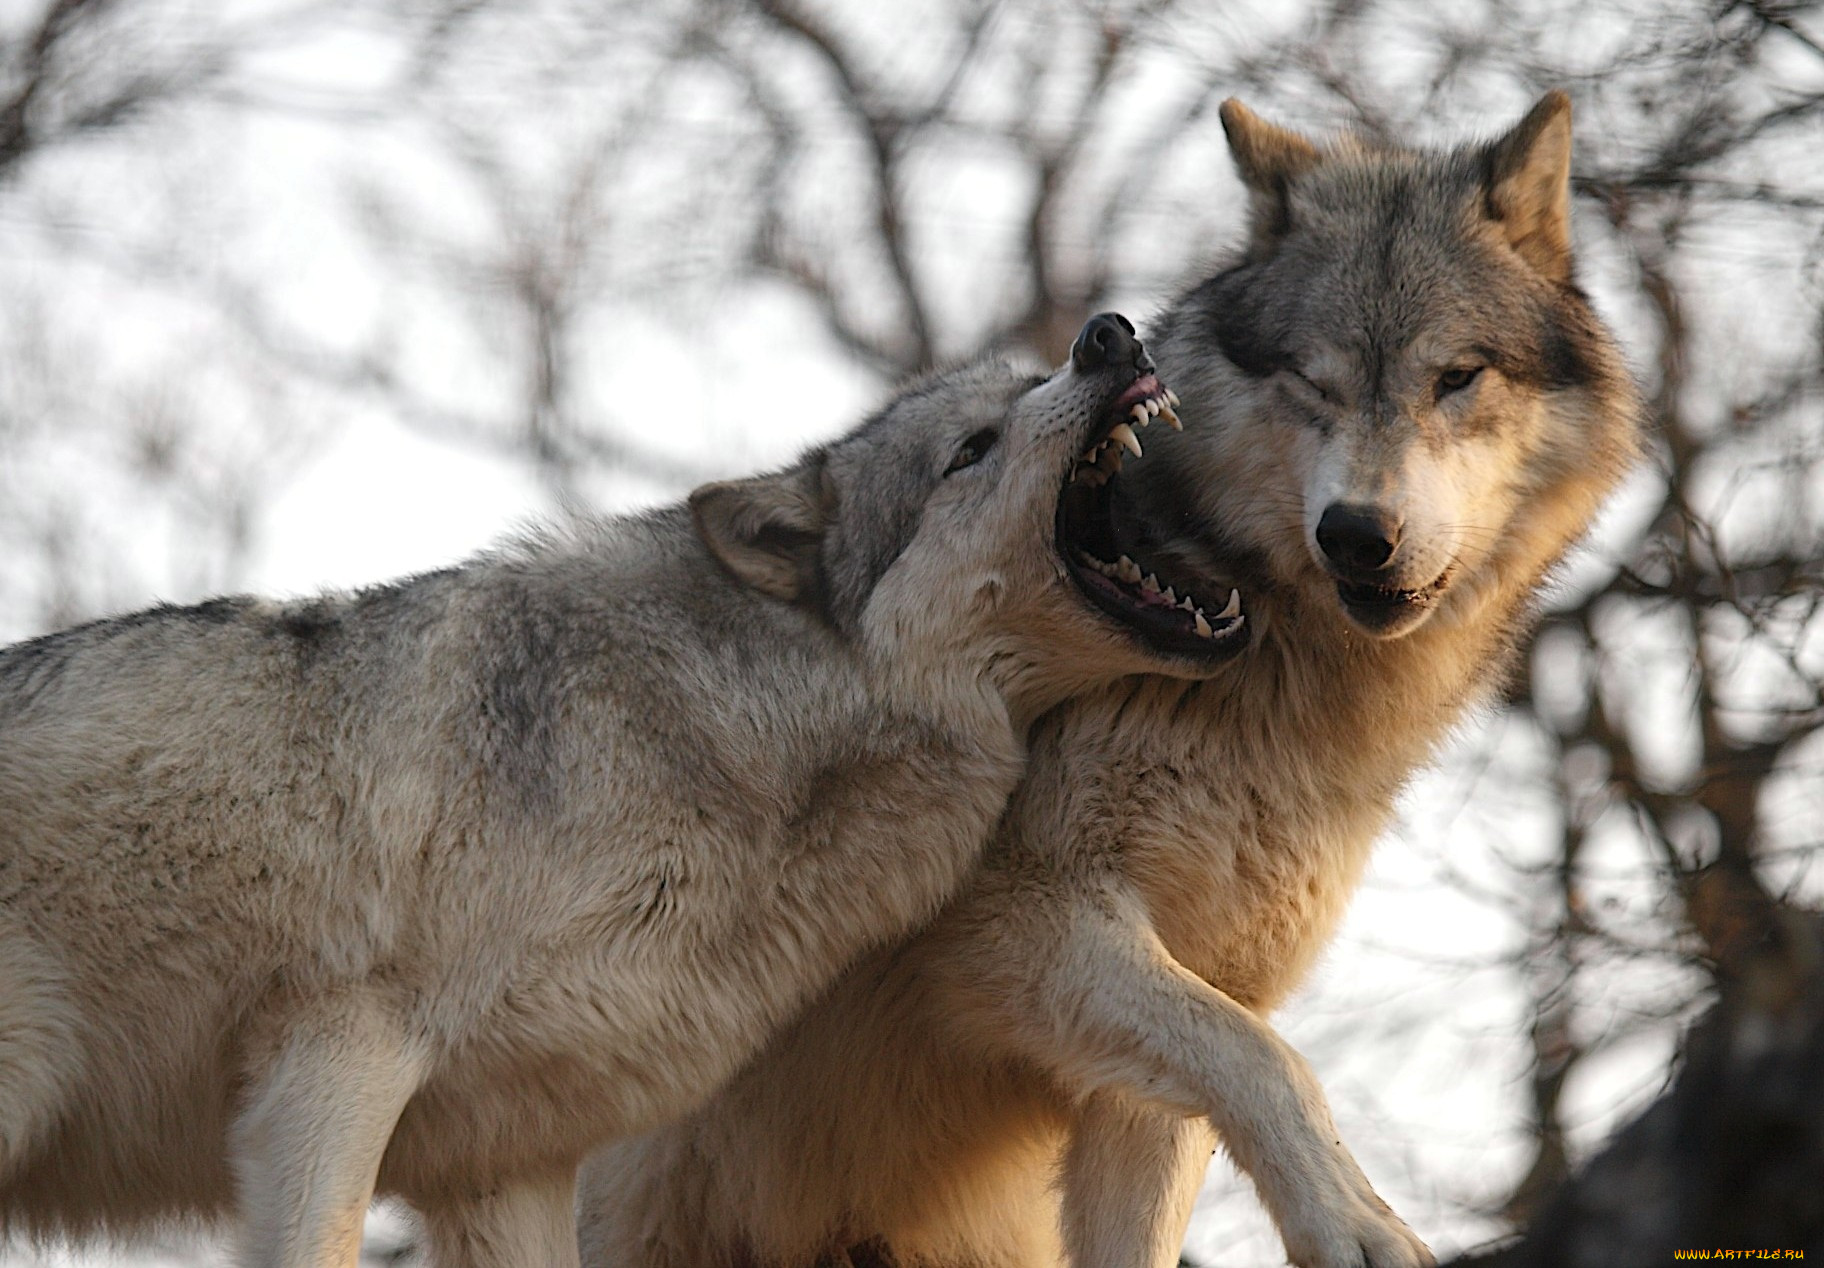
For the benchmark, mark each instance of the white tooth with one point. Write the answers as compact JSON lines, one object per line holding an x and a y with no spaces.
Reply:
{"x":1232,"y":607}
{"x":1202,"y":626}
{"x":1139,"y":415}
{"x":1171,"y":416}
{"x":1124,"y":436}
{"x":1152,"y":406}
{"x":1170,"y":597}
{"x":1171,"y":398}
{"x":1129,"y":570}
{"x":1185,"y":604}
{"x":1150,"y":583}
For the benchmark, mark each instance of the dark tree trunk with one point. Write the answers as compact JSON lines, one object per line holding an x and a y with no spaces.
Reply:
{"x":1731,"y":1157}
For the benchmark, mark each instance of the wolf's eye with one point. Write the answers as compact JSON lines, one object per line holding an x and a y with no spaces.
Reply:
{"x":973,"y":450}
{"x":1313,"y":387}
{"x":1455,"y":380}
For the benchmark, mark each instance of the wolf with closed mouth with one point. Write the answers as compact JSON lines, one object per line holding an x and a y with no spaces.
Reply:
{"x":430,"y":889}
{"x":1402,"y":412}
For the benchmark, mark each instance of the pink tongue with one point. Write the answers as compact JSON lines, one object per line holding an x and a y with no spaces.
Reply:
{"x":1134,"y":593}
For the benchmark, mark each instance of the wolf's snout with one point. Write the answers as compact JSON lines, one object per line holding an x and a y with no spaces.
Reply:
{"x":1107,"y":339}
{"x":1357,"y":539}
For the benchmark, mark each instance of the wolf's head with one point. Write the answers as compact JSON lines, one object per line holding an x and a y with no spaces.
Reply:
{"x":1404,"y":395}
{"x":932,"y":533}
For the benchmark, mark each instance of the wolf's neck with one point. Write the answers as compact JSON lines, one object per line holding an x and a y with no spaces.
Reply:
{"x":1361,"y":712}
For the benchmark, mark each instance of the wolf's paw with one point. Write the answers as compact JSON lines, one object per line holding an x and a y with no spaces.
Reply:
{"x":1389,"y":1245}
{"x":1357,"y":1231}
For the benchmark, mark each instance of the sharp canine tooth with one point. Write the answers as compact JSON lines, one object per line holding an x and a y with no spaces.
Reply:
{"x":1150,"y":583}
{"x":1124,"y":435}
{"x":1232,"y":608}
{"x":1171,"y":398}
{"x":1202,"y":626}
{"x":1171,"y":416}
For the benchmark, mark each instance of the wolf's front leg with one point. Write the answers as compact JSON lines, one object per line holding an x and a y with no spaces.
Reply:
{"x":306,"y":1146}
{"x":1129,"y":1181}
{"x":1124,"y":1016}
{"x":528,"y":1223}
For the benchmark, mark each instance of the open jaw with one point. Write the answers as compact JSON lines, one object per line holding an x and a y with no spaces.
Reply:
{"x":1163,"y":615}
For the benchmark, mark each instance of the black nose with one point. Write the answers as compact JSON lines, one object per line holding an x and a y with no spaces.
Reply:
{"x":1357,"y":538}
{"x":1108,"y":339}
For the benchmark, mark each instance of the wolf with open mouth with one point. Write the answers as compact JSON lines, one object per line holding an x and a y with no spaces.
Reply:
{"x":1400,"y":413}
{"x":427,"y":891}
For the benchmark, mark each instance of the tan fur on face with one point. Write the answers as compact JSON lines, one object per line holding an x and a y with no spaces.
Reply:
{"x":1450,"y":477}
{"x":1092,"y":1007}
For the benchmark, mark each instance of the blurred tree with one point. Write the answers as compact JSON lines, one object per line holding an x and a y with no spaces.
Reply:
{"x":154,"y":390}
{"x":1729,"y":1157}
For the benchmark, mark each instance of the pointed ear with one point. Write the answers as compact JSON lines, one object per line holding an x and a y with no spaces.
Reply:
{"x":1269,"y":157}
{"x":1528,"y":184}
{"x":767,"y":530}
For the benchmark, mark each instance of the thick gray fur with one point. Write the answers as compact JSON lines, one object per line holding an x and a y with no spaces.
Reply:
{"x":429,"y":889}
